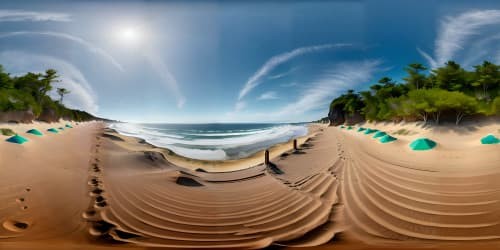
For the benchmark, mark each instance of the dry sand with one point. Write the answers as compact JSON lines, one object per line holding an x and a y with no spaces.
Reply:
{"x":89,"y":188}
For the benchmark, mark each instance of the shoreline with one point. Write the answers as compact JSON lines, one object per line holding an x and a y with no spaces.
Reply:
{"x":136,"y":143}
{"x":344,"y":189}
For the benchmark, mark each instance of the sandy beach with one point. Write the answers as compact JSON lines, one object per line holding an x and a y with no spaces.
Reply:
{"x":91,"y":188}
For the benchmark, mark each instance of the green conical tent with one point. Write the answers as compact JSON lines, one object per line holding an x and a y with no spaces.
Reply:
{"x":387,"y":138}
{"x":68,"y":126}
{"x":361,"y":129}
{"x":379,"y":134}
{"x":349,"y":127}
{"x":369,"y":131}
{"x":53,"y":130}
{"x":34,"y":132}
{"x":490,"y":139}
{"x":422,"y":144}
{"x":17,"y":139}
{"x":342,"y":126}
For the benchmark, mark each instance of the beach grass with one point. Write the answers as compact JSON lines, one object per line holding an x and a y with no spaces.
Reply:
{"x":7,"y":131}
{"x":402,"y":132}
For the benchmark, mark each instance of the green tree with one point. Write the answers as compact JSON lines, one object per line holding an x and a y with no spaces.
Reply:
{"x":5,"y":80}
{"x":451,"y":77}
{"x":420,"y":102}
{"x":62,"y":92}
{"x":45,"y":83}
{"x":486,"y":75}
{"x":415,"y":79}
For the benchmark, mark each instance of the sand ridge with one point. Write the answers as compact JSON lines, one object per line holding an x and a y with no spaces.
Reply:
{"x":91,"y":188}
{"x":146,"y":204}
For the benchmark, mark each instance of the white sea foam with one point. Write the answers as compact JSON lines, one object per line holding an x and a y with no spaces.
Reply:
{"x":198,"y":145}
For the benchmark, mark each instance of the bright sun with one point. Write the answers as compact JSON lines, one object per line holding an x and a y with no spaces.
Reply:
{"x":129,"y":36}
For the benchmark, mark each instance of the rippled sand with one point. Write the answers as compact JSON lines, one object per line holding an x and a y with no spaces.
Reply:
{"x":91,"y":188}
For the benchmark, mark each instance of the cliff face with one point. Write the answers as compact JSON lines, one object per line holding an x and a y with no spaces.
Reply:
{"x":354,"y":118}
{"x":48,"y":115}
{"x":337,"y":116}
{"x":17,"y":116}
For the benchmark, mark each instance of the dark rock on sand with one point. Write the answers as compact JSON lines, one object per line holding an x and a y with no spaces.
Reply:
{"x":154,"y":156}
{"x":186,"y":181}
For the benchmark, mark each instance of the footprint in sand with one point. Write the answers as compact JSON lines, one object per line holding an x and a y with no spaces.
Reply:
{"x":94,"y":182}
{"x":96,"y":168}
{"x":100,"y":201}
{"x":97,"y":191}
{"x":100,"y":228}
{"x":89,"y":214}
{"x":28,"y":189}
{"x":15,"y":225}
{"x":20,"y":200}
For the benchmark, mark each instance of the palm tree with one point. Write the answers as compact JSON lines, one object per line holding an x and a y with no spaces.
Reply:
{"x":61,"y":92}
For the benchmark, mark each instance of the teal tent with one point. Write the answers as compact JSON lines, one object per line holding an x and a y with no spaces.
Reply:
{"x":342,"y":126}
{"x":34,"y":132}
{"x":17,"y":139}
{"x":369,"y":131}
{"x":387,"y":139}
{"x":379,"y":134}
{"x":422,"y":144}
{"x":53,"y":130}
{"x":490,"y":139}
{"x":361,"y":129}
{"x":68,"y":126}
{"x":349,"y":127}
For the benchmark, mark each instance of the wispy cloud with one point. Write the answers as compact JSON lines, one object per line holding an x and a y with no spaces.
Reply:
{"x":81,"y":97}
{"x":314,"y":100}
{"x":32,"y":16}
{"x":455,"y":31}
{"x":271,"y":95}
{"x":281,"y":75}
{"x":169,"y":80}
{"x":277,"y":60}
{"x":240,"y":105}
{"x":91,"y":47}
{"x":339,"y":78}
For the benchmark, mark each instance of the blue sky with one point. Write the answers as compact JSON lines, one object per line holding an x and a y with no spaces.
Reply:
{"x":224,"y":61}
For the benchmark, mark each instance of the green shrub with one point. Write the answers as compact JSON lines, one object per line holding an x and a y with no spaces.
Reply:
{"x":7,"y":131}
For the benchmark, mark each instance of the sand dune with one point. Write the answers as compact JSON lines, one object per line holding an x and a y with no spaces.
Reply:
{"x":92,"y":188}
{"x":246,"y":208}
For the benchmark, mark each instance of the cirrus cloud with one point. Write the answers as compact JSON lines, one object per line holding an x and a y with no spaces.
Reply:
{"x":456,"y":32}
{"x":277,"y":60}
{"x":33,"y":16}
{"x":91,"y":47}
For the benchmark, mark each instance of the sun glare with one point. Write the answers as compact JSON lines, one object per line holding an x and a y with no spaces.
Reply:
{"x":129,"y":36}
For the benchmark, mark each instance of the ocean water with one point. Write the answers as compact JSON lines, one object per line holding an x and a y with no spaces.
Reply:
{"x":218,"y":141}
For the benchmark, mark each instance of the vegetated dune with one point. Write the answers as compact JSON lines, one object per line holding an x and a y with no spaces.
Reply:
{"x":450,"y":193}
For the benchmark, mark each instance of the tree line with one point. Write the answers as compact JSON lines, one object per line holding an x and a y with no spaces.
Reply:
{"x":29,"y":93}
{"x":428,"y":94}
